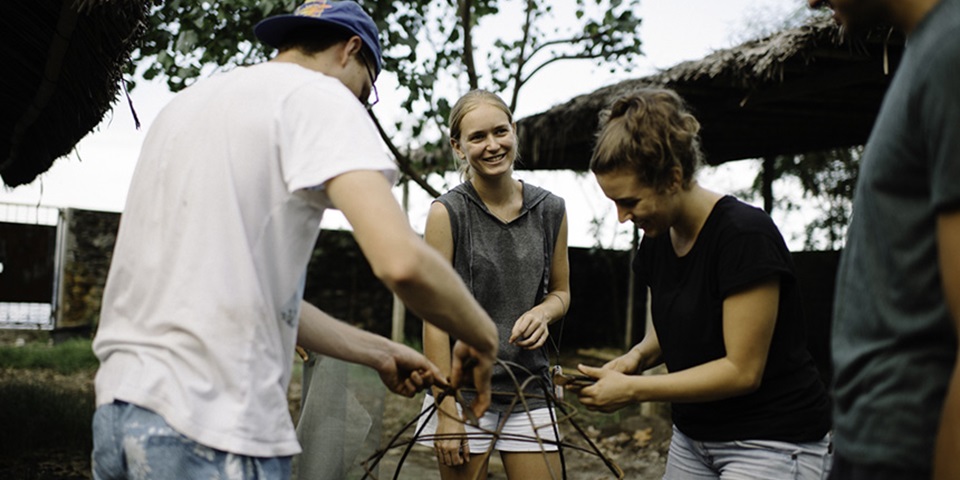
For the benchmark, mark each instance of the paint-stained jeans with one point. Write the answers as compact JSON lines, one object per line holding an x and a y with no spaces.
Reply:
{"x":689,"y":459}
{"x":133,"y":443}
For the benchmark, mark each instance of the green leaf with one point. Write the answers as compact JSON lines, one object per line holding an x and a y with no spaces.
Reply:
{"x":187,"y":41}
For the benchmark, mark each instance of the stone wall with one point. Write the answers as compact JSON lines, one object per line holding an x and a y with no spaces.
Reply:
{"x":87,"y":248}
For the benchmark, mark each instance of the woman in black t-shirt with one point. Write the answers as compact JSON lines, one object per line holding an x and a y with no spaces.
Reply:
{"x":746,"y":396}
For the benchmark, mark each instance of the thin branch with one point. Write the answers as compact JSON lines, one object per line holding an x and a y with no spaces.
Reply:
{"x":571,"y":40}
{"x":556,"y":59}
{"x":466,"y":20}
{"x":521,"y":59}
{"x":403,"y":161}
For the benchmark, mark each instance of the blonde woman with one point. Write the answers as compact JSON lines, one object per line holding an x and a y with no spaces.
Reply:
{"x":508,"y":241}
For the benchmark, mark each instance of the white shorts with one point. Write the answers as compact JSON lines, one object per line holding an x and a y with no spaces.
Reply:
{"x":517,"y":435}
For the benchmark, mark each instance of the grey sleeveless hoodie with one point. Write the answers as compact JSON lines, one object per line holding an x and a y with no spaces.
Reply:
{"x":506,"y":266}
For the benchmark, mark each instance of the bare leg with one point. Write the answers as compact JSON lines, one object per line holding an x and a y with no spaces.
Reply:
{"x":532,"y":465}
{"x":475,"y":469}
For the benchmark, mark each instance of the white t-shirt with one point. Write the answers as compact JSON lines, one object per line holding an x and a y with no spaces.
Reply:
{"x":200,"y":311}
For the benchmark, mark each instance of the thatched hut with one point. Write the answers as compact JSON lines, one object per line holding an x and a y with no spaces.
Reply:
{"x":799,"y":90}
{"x":63,"y":61}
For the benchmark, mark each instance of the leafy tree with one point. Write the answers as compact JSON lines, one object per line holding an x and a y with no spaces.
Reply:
{"x":827,"y":180}
{"x":430,"y":45}
{"x":765,"y":19}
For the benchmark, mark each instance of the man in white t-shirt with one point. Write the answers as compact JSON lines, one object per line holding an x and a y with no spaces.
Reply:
{"x":203,"y":303}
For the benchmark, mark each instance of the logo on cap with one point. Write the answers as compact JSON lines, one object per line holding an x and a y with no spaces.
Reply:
{"x":313,"y":9}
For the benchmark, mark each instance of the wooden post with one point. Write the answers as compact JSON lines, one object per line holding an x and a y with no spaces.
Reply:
{"x":399,"y":310}
{"x":59,"y":291}
{"x":767,"y":187}
{"x":399,"y":314}
{"x":650,"y":408}
{"x":631,"y":289}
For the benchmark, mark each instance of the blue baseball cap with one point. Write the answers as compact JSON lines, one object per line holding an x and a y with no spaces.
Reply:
{"x":343,"y":14}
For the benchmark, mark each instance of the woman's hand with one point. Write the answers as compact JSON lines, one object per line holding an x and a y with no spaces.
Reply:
{"x":530,"y":330}
{"x":610,"y":393}
{"x":451,"y":443}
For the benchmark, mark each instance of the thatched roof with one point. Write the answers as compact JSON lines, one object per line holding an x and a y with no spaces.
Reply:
{"x":800,"y":90}
{"x":62,"y":68}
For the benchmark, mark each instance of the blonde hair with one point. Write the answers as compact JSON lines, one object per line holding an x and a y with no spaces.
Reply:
{"x":649,"y":132}
{"x":466,"y":104}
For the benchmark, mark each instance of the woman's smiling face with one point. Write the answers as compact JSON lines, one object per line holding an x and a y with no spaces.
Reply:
{"x":650,"y":209}
{"x":487,"y":141}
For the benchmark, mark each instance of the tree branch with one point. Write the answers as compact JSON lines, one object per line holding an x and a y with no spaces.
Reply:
{"x":557,"y":59}
{"x":466,"y":20}
{"x":403,"y":161}
{"x":571,"y":40}
{"x":521,"y":60}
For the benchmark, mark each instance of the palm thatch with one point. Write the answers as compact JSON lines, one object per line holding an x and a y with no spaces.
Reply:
{"x":799,"y":90}
{"x":63,"y":61}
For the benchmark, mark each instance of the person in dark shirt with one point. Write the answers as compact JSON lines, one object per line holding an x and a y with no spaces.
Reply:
{"x":896,"y":309}
{"x":747,"y":399}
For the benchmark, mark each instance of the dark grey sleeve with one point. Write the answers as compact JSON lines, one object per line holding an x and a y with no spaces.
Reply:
{"x":940,"y":126}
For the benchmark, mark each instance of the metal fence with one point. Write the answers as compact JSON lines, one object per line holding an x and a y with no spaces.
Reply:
{"x":28,"y":314}
{"x":29,"y":214}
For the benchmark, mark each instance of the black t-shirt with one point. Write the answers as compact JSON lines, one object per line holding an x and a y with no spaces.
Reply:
{"x":738,"y":246}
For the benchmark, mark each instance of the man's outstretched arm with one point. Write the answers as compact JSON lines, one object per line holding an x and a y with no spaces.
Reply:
{"x":417,"y":273}
{"x":402,"y":369}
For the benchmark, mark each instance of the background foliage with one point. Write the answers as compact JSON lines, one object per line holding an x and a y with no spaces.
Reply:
{"x":433,"y":46}
{"x":430,"y":45}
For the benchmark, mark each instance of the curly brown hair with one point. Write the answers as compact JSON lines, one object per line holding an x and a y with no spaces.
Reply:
{"x":650,"y":132}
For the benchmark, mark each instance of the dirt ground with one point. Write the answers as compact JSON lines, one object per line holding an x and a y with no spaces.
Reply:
{"x":635,"y":441}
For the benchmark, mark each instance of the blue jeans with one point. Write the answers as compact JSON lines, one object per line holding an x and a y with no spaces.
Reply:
{"x":130,"y":442}
{"x":747,"y":459}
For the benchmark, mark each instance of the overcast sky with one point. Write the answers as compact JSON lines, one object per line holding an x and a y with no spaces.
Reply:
{"x":96,"y":175}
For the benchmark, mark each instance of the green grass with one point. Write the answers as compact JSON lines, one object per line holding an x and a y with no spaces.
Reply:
{"x":68,"y":357}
